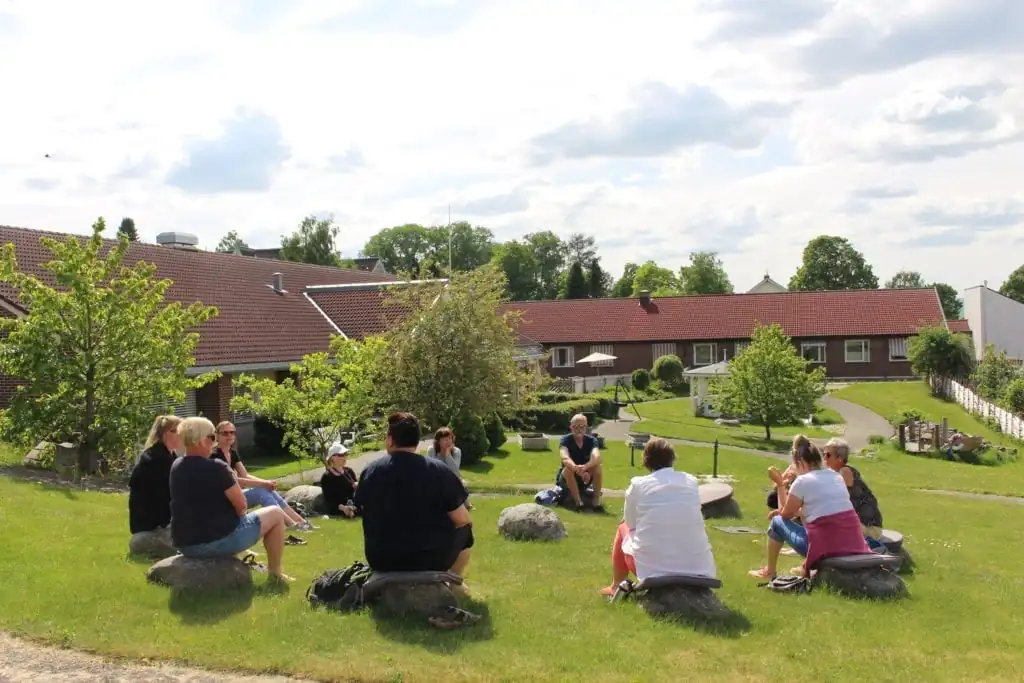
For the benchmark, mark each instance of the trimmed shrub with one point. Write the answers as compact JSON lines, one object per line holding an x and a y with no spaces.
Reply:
{"x":904,"y":416}
{"x":554,"y":417}
{"x":471,"y":438}
{"x":495,"y":432}
{"x":1013,"y":398}
{"x":641,"y":379}
{"x":669,"y":369}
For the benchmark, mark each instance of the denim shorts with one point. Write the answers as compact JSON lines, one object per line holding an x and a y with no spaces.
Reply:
{"x":788,"y":531}
{"x":264,"y":498}
{"x":245,"y":536}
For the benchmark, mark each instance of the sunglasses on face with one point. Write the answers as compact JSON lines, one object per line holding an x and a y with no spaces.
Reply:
{"x":227,"y":433}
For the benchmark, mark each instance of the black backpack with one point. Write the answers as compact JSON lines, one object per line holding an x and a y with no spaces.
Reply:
{"x":339,"y":589}
{"x":788,"y":584}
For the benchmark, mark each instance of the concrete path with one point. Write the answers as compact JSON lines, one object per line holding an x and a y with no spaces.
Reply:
{"x":976,"y":496}
{"x":861,"y":423}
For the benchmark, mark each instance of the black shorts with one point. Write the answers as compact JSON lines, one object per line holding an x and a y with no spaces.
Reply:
{"x":440,"y":560}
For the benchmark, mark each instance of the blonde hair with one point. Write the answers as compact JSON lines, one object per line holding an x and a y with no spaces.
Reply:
{"x":194,"y":429}
{"x":222,"y":424}
{"x":161,"y":425}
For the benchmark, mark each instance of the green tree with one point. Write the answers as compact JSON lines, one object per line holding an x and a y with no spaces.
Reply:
{"x":452,"y":357}
{"x":230,"y":243}
{"x":328,"y":393}
{"x":421,"y":252}
{"x":653,"y":278}
{"x":624,"y":285}
{"x":937,"y":352}
{"x":401,"y":249}
{"x":127,"y":228}
{"x":704,"y":275}
{"x":313,"y":242}
{"x":471,"y":246}
{"x":597,"y":279}
{"x":580,"y":249}
{"x":550,"y":253}
{"x":96,"y":349}
{"x":952,"y":305}
{"x":831,"y":263}
{"x":906,"y":279}
{"x":576,"y":283}
{"x":1013,"y":398}
{"x":1014,"y":285}
{"x":993,"y":374}
{"x":769,"y":381}
{"x":516,"y":261}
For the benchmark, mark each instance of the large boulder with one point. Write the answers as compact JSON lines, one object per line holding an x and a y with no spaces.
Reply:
{"x":155,"y":544}
{"x":189,"y":573}
{"x":421,"y":600}
{"x":530,"y":522}
{"x":309,"y":497}
{"x":873,"y":582}
{"x":683,"y":602}
{"x":727,"y":508}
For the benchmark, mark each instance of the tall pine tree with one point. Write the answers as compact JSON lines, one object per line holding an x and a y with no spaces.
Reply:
{"x":575,"y":283}
{"x":127,"y":228}
{"x":595,"y":279}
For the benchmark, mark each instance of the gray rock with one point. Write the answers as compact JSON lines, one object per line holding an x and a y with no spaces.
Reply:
{"x":722,"y":509}
{"x":530,"y":522}
{"x":683,"y":602}
{"x":40,"y":457}
{"x":310,"y":497}
{"x":155,"y":544}
{"x":187,"y":573}
{"x":875,"y":582}
{"x":416,"y":600}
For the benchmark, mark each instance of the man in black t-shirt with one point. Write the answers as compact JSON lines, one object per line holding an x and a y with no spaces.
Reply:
{"x":581,"y":463}
{"x":414,"y":512}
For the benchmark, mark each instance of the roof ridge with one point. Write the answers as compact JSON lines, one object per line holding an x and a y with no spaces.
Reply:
{"x":791,"y":292}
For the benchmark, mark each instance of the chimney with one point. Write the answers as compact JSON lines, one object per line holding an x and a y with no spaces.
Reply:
{"x":277,"y":283}
{"x":644,"y":296}
{"x":178,"y":240}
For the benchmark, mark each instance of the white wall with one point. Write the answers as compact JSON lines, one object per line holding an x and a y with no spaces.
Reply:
{"x":994,"y":319}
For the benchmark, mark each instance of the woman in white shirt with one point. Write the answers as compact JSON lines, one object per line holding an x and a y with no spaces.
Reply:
{"x":662,"y":532}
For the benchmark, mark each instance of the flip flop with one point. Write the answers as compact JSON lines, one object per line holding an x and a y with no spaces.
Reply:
{"x":450,"y":618}
{"x":761,"y":573}
{"x":250,"y":561}
{"x":294,"y":540}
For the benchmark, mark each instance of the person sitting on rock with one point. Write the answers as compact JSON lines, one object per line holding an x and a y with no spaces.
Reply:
{"x":209,"y":517}
{"x":831,"y":526}
{"x":149,"y":489}
{"x":258,"y":492}
{"x":338,"y":482}
{"x":662,"y":531}
{"x":445,"y":450}
{"x":414,"y":512}
{"x":581,"y":464}
{"x":837,"y":455}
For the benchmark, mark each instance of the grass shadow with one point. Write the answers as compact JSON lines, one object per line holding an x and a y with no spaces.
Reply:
{"x":415,"y":630}
{"x":201,"y":607}
{"x":479,"y":467}
{"x":731,"y":624}
{"x":499,"y":454}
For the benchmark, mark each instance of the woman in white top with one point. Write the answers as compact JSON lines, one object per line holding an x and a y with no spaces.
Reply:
{"x":663,"y":531}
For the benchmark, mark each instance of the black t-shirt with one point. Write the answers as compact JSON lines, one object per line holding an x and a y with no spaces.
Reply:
{"x":578,"y":454}
{"x":200,"y":510}
{"x":338,"y":489}
{"x":149,"y":497}
{"x":218,"y":454}
{"x":405,"y":499}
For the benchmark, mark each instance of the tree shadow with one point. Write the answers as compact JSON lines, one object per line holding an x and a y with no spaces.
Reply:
{"x":499,"y":454}
{"x":479,"y":467}
{"x":200,"y":607}
{"x":416,"y":630}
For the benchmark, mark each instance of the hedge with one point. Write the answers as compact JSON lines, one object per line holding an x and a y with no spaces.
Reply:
{"x":554,"y":417}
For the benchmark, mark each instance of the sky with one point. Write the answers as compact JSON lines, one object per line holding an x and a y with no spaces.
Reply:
{"x":660,"y":127}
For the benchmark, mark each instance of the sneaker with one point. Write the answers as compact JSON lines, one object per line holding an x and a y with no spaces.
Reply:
{"x":305,"y":526}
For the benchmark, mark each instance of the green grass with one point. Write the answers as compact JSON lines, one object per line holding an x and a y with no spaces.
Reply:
{"x":67,"y":581}
{"x":675,"y":419}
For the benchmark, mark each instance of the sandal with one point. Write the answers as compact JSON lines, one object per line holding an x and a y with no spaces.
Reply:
{"x":761,"y":573}
{"x":294,"y":540}
{"x":452,"y":617}
{"x":250,"y":561}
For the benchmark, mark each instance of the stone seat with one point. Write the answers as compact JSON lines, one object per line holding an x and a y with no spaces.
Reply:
{"x":415,"y":593}
{"x":380,"y":581}
{"x":859,"y":562}
{"x":892,"y":540}
{"x":677,"y":580}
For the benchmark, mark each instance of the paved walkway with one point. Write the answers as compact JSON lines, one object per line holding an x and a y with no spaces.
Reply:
{"x":976,"y":496}
{"x":861,"y":423}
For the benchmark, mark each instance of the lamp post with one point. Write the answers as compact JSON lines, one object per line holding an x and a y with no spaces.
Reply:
{"x":450,"y":236}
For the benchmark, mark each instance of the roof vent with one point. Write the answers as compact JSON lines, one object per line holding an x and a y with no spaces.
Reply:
{"x":178,"y":240}
{"x":277,"y":283}
{"x":644,"y":296}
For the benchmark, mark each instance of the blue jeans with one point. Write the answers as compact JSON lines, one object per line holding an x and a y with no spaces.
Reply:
{"x":788,"y":531}
{"x":245,"y":536}
{"x":265,"y":497}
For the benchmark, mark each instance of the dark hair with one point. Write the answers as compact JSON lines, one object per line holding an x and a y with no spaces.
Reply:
{"x":658,"y":454}
{"x":404,"y":430}
{"x":440,"y":434}
{"x":810,"y":456}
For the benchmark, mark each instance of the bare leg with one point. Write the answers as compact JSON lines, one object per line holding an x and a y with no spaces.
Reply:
{"x":569,"y":477}
{"x":774,"y":548}
{"x":461,"y":562}
{"x":272,"y":531}
{"x":598,"y":476}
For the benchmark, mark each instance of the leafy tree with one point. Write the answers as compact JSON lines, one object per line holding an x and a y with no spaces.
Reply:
{"x":471,"y":246}
{"x":770,"y":381}
{"x":550,"y":253}
{"x":1013,"y":398}
{"x":1014,"y":285}
{"x":668,"y":369}
{"x":831,"y":263}
{"x":596,"y":279}
{"x":231,"y":243}
{"x":517,"y":262}
{"x":328,"y":393}
{"x":906,"y":279}
{"x":453,"y":356}
{"x":704,"y":275}
{"x":993,"y":374}
{"x":95,"y":350}
{"x":624,"y":285}
{"x":937,"y":352}
{"x":401,"y":249}
{"x":418,"y":251}
{"x":576,"y":283}
{"x":580,"y":249}
{"x":952,"y":304}
{"x":127,"y":228}
{"x":313,"y":242}
{"x":657,"y":280}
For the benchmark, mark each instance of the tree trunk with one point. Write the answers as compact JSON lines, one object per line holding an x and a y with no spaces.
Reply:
{"x":87,"y":446}
{"x":767,"y":431}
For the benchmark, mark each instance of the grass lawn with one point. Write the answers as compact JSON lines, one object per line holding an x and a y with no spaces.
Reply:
{"x":675,"y":419}
{"x":69,"y":582}
{"x":273,"y":468}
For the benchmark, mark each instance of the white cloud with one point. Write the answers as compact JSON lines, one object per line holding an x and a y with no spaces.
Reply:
{"x":906,"y":144}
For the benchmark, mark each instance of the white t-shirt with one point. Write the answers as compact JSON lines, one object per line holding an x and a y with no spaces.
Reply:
{"x":823,"y":492}
{"x":669,"y":537}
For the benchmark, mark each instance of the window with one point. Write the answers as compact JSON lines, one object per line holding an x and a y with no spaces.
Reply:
{"x":562,"y":357}
{"x":704,"y":354}
{"x":898,"y":348}
{"x":605,"y":349}
{"x":186,"y":409}
{"x":813,"y":352}
{"x":741,"y":346}
{"x":666,"y":349}
{"x":858,"y":351}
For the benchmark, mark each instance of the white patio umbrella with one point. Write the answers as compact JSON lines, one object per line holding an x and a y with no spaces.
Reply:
{"x":595,"y":358}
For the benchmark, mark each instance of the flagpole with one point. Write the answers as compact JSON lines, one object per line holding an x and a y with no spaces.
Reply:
{"x":450,"y":235}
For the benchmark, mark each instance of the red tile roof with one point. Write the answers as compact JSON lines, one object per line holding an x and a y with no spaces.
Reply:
{"x":359,"y":309}
{"x":961,"y":326}
{"x":876,"y":312}
{"x":255,"y":324}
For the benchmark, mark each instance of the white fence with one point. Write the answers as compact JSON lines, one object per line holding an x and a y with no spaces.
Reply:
{"x":1008,"y":422}
{"x":583,"y":385}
